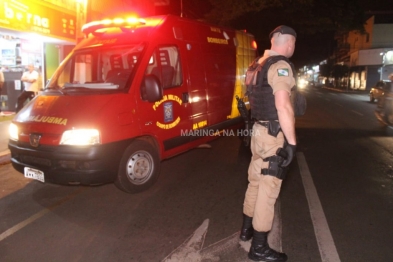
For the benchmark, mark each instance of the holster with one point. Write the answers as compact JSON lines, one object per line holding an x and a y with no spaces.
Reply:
{"x":273,"y":127}
{"x":275,"y":169}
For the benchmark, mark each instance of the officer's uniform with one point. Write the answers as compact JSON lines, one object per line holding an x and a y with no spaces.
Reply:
{"x":263,"y":190}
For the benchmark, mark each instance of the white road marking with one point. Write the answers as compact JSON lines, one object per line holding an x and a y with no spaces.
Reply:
{"x":327,"y":248}
{"x":212,"y":252}
{"x":191,"y":249}
{"x":357,"y":112}
{"x":22,"y":224}
{"x":36,"y":216}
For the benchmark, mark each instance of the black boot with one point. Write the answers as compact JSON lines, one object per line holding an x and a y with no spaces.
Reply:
{"x":260,"y":250}
{"x":247,"y":229}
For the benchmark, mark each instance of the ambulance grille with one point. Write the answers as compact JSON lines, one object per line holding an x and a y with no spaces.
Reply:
{"x":36,"y":161}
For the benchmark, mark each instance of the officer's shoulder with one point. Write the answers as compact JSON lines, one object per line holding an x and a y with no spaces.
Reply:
{"x":280,"y":64}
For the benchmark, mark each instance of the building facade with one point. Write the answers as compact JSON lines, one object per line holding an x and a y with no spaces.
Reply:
{"x":34,"y":32}
{"x":368,"y":55}
{"x":44,"y":32}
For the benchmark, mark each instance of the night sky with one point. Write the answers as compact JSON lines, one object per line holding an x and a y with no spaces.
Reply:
{"x":310,"y":48}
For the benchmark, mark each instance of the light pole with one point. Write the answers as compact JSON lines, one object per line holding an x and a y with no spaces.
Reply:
{"x":383,"y":63}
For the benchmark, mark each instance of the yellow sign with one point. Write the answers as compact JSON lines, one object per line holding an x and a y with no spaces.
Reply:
{"x":32,"y":16}
{"x":217,"y":41}
{"x":48,"y":119}
{"x":167,"y":98}
{"x":199,"y":124}
{"x":168,"y":126}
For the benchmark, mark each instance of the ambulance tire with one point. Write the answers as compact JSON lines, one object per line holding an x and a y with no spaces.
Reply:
{"x":139,"y":167}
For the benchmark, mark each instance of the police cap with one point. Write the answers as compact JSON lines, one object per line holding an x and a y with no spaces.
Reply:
{"x":283,"y":29}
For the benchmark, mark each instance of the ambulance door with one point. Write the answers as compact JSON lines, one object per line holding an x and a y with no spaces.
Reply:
{"x":167,"y":119}
{"x":196,"y":80}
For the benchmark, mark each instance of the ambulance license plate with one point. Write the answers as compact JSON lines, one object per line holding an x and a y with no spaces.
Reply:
{"x":34,"y":174}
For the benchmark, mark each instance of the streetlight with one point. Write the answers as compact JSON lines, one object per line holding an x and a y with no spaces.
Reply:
{"x":383,"y":62}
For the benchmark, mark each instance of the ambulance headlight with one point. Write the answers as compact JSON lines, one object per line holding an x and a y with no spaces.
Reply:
{"x":81,"y":137}
{"x":13,"y":131}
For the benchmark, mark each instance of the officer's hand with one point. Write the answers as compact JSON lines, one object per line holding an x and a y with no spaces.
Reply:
{"x":290,"y":150}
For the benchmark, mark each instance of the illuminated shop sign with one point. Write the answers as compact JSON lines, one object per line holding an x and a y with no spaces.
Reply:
{"x":388,"y":58}
{"x":32,"y":16}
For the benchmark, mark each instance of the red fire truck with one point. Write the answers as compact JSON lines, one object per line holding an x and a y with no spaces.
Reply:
{"x":132,"y":93}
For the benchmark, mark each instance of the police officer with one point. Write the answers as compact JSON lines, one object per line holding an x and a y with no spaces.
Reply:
{"x":271,"y":108}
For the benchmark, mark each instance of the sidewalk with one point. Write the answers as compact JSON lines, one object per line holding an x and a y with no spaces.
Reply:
{"x":4,"y":151}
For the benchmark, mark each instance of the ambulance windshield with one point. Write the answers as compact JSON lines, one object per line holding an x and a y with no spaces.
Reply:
{"x":97,"y":69}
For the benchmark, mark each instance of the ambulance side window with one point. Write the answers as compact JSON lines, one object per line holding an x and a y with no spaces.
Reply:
{"x":165,"y":64}
{"x":83,"y":69}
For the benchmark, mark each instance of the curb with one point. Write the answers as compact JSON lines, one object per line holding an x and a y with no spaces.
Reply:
{"x":5,"y":157}
{"x":351,"y":91}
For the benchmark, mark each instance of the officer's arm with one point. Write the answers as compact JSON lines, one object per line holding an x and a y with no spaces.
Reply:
{"x":286,"y":116}
{"x":280,"y":77}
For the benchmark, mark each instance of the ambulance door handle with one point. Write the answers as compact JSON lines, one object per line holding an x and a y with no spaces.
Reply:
{"x":185,"y":97}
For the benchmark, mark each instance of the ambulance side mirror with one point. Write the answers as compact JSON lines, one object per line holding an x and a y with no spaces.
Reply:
{"x":151,"y":89}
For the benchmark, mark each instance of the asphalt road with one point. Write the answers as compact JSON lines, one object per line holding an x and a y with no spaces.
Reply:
{"x":335,"y":204}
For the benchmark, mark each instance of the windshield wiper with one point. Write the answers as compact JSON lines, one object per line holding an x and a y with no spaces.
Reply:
{"x":58,"y":89}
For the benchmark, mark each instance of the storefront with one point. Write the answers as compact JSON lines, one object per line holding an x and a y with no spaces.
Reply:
{"x":34,"y":32}
{"x":387,"y":66}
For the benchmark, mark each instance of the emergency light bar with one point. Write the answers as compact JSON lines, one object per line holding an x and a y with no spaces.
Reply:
{"x":254,"y":44}
{"x":129,"y":22}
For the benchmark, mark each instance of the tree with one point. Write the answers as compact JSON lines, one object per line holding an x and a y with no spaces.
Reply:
{"x":339,"y":72}
{"x":310,"y":15}
{"x":325,"y":70}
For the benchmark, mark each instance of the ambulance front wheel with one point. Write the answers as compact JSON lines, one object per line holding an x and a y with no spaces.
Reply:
{"x":139,"y":167}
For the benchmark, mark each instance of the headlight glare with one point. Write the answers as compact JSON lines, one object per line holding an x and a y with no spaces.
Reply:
{"x":81,"y":137}
{"x":13,"y":131}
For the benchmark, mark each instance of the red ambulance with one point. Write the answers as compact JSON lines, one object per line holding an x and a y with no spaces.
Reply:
{"x":132,"y":93}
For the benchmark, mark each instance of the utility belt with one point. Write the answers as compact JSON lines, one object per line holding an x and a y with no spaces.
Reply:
{"x":273,"y":126}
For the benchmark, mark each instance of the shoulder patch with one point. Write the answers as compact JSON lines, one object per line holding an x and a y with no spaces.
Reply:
{"x":283,"y":72}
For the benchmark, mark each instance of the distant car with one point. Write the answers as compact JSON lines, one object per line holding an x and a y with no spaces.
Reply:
{"x":384,"y":111}
{"x":302,"y":83}
{"x":378,"y":89}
